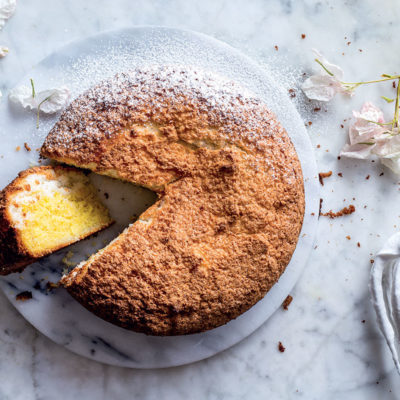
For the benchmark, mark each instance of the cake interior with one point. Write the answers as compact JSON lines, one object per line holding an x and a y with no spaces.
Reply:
{"x":53,"y":209}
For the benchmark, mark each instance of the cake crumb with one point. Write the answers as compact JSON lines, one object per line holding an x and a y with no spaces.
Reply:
{"x":292,"y":93}
{"x":303,"y":36}
{"x":316,"y":109}
{"x":66,"y":260}
{"x":18,"y":148}
{"x":287,"y":302}
{"x":371,"y":261}
{"x":276,"y":47}
{"x":281,"y":347}
{"x":344,"y":211}
{"x":358,"y":244}
{"x":52,"y":285}
{"x":323,"y":175}
{"x":348,"y":237}
{"x":340,"y":174}
{"x":23,"y":296}
{"x":27,"y":148}
{"x":367,"y":177}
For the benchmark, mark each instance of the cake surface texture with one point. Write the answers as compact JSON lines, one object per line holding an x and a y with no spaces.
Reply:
{"x":230,"y":205}
{"x":44,"y":209}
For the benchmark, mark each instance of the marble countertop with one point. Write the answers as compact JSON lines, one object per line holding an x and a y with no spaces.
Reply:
{"x":333,"y":347}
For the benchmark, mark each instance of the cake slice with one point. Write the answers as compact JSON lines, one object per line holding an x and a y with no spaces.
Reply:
{"x":44,"y":209}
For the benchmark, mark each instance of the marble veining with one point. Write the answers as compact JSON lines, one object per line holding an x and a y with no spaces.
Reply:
{"x":80,"y":65}
{"x":333,"y":347}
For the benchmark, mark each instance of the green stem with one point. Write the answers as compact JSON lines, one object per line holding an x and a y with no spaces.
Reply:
{"x":396,"y":109}
{"x":38,"y":110}
{"x":323,"y":66}
{"x":33,"y":89}
{"x":376,"y":81}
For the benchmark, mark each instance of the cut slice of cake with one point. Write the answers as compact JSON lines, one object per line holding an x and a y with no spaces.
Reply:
{"x":44,"y":209}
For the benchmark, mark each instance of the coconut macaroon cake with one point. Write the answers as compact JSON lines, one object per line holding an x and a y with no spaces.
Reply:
{"x":44,"y":209}
{"x":230,"y":207}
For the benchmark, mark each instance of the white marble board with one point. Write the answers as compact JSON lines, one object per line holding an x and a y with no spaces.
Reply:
{"x":80,"y":65}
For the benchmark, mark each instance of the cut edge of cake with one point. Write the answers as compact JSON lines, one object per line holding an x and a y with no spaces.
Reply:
{"x":45,"y":209}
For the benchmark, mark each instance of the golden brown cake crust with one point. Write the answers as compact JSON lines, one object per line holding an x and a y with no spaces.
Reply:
{"x":231,"y":198}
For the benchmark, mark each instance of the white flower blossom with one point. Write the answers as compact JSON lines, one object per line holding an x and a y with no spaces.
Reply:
{"x":369,"y":136}
{"x":49,"y":101}
{"x":324,"y":86}
{"x":3,"y":51}
{"x":7,"y":9}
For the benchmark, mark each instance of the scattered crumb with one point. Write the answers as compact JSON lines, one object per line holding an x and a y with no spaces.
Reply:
{"x":312,"y":214}
{"x":340,"y":174}
{"x":23,"y":296}
{"x":27,"y":148}
{"x":320,"y":205}
{"x":292,"y":93}
{"x":381,"y":174}
{"x":318,"y":146}
{"x":344,"y":211}
{"x":371,"y":261}
{"x":323,"y":175}
{"x":348,"y":43}
{"x":338,"y":157}
{"x":394,"y":84}
{"x":360,"y":50}
{"x":52,"y":285}
{"x":66,"y":260}
{"x":287,"y":302}
{"x":18,"y":148}
{"x":358,"y":244}
{"x":367,"y":177}
{"x":348,"y":237}
{"x":342,"y":126}
{"x":316,"y":109}
{"x":363,"y":321}
{"x":276,"y":48}
{"x":303,"y":36}
{"x":106,"y":195}
{"x":281,"y":347}
{"x":309,"y":123}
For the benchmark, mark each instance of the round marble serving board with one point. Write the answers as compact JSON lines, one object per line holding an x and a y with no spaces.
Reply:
{"x":80,"y":65}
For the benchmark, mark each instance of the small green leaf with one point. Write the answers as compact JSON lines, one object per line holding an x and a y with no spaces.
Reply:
{"x":367,"y":143}
{"x":387,"y":99}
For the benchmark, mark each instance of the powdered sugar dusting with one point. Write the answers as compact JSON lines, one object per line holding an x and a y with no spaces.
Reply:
{"x":145,"y":92}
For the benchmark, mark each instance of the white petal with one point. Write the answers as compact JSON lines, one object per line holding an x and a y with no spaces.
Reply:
{"x":392,"y":163}
{"x":362,"y":129}
{"x":387,"y":146}
{"x":321,"y":87}
{"x":335,"y":69}
{"x":50,"y":101}
{"x":3,"y":51}
{"x":7,"y":8}
{"x":359,"y":151}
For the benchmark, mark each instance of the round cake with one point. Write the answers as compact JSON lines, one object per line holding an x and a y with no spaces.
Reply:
{"x":230,"y":198}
